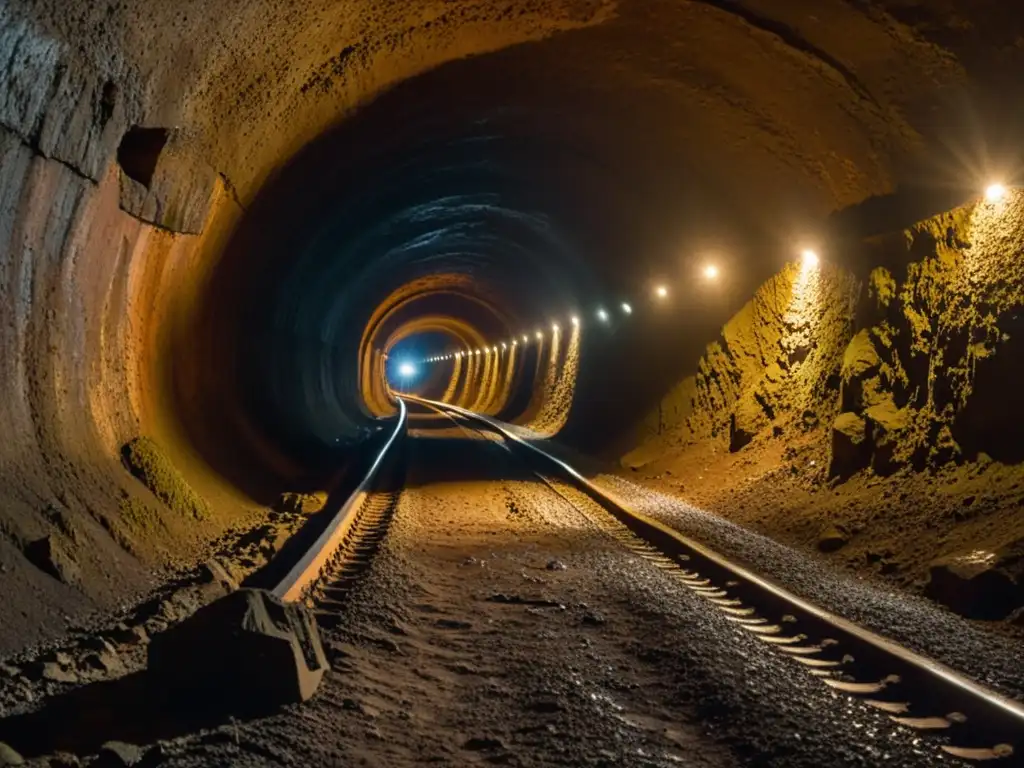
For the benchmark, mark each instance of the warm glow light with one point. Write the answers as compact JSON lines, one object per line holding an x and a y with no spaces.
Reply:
{"x":810,"y":259}
{"x":710,"y":272}
{"x":602,"y":315}
{"x":661,"y":291}
{"x":526,"y":339}
{"x":626,"y":308}
{"x":575,"y":320}
{"x":504,"y":345}
{"x":994,"y":193}
{"x":406,"y":370}
{"x":554,"y":327}
{"x":540,"y":335}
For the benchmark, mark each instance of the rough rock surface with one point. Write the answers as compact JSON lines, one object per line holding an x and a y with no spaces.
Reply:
{"x":134,"y":136}
{"x":927,"y":383}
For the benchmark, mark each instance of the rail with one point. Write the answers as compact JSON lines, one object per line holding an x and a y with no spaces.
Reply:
{"x":986,"y":714}
{"x":308,"y":569}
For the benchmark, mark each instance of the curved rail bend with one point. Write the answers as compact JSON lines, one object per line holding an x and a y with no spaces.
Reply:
{"x":305,"y":573}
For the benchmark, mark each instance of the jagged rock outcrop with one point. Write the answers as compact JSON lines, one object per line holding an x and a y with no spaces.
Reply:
{"x":778,"y":358}
{"x":929,"y":377}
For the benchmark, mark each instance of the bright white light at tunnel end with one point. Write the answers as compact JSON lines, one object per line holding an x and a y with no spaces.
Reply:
{"x":995,"y":192}
{"x":602,"y":315}
{"x":407,"y":369}
{"x":627,"y":308}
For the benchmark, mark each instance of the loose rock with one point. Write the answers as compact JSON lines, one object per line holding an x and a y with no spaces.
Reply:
{"x":9,"y":757}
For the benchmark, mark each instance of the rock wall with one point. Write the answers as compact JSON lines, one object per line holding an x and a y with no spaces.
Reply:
{"x":774,"y":367}
{"x":913,"y":364}
{"x":931,"y":375}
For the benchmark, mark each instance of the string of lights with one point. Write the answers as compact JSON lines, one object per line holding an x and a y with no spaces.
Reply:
{"x":994,"y":194}
{"x":660,"y":292}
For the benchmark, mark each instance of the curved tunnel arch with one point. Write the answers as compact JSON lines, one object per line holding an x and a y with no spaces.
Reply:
{"x":308,"y":160}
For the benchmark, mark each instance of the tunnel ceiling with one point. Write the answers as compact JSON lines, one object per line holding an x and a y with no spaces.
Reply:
{"x":494,"y":162}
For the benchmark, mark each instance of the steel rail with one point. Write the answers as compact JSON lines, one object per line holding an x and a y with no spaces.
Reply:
{"x":1005,"y":715}
{"x":308,"y":569}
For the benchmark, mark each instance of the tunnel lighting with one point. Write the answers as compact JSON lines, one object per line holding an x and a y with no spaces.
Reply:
{"x":995,"y":192}
{"x":526,"y":339}
{"x":661,"y":291}
{"x":540,"y":335}
{"x":554,"y":327}
{"x":710,"y":272}
{"x":575,"y":320}
{"x":504,"y":345}
{"x":602,"y":315}
{"x":407,"y":370}
{"x":809,"y":258}
{"x":627,"y":309}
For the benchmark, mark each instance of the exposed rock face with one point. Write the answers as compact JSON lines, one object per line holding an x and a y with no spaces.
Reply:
{"x":851,"y":446}
{"x":134,"y":138}
{"x":930,"y":377}
{"x":50,"y":555}
{"x":778,"y":358}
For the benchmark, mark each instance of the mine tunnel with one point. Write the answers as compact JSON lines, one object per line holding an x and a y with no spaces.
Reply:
{"x":557,"y":382}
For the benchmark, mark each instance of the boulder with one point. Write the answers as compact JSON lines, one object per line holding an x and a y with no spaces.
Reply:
{"x":116,"y":754}
{"x":248,"y":652}
{"x":301,"y":503}
{"x":974,"y":586}
{"x":49,"y":555}
{"x":832,"y":539}
{"x":851,"y":445}
{"x":9,"y":757}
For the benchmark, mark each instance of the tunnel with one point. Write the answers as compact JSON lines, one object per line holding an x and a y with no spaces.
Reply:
{"x":765,"y":256}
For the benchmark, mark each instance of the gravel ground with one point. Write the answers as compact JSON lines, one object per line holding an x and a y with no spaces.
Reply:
{"x":917,"y":623}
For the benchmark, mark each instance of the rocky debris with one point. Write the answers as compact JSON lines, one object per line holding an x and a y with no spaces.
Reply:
{"x":115,"y":754}
{"x":301,"y":503}
{"x":54,"y":672}
{"x":851,"y":446}
{"x":214,"y":582}
{"x":592,"y":619}
{"x":148,"y":462}
{"x":248,"y":650}
{"x":747,"y":420}
{"x":64,"y":760}
{"x":832,"y":539}
{"x":555,"y":565}
{"x":50,"y":555}
{"x":520,"y":600}
{"x":975,"y":586}
{"x":9,"y":757}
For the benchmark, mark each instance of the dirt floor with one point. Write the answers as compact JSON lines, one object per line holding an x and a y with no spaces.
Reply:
{"x":498,"y":625}
{"x":965,"y":519}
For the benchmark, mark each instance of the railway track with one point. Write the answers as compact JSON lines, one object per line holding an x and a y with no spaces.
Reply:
{"x":962,"y":718}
